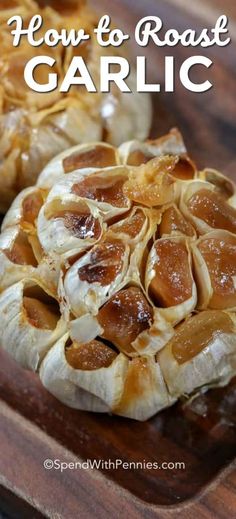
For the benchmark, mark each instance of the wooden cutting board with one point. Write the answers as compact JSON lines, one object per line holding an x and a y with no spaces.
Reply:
{"x":34,"y":426}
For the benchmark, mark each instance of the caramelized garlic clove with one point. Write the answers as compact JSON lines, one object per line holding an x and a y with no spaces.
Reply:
{"x":202,"y":353}
{"x":206,"y":208}
{"x":102,"y":188}
{"x":224,"y":185}
{"x":106,"y":189}
{"x":98,"y":389}
{"x":98,"y":155}
{"x":93,"y":278}
{"x":173,"y":223}
{"x":25,"y":209}
{"x":68,"y":225}
{"x":215,"y":270}
{"x":31,"y":322}
{"x":152,"y":184}
{"x":124,"y":317}
{"x":82,"y":157}
{"x":169,"y":280}
{"x":17,"y":259}
{"x":132,"y":228}
{"x":92,"y":377}
{"x":130,"y":322}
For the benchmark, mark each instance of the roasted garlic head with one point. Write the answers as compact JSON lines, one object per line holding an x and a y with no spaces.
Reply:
{"x":118,"y":277}
{"x":34,"y":127}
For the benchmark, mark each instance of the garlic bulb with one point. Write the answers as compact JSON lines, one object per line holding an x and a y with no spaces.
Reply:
{"x":118,"y":280}
{"x":34,"y":127}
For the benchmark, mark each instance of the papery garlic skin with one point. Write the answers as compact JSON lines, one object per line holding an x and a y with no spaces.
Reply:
{"x":145,"y":392}
{"x":130,"y":116}
{"x":170,"y":144}
{"x":154,"y":339}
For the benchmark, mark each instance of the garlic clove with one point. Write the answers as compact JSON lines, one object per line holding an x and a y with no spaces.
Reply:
{"x":68,"y":225}
{"x":93,"y":278}
{"x":91,"y":156}
{"x":25,"y":209}
{"x":97,"y":388}
{"x":145,"y":392}
{"x":31,"y":322}
{"x":214,"y":257}
{"x":202,"y":353}
{"x":206,"y":208}
{"x":169,"y":280}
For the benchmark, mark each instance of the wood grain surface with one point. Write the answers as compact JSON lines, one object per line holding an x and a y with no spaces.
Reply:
{"x":34,"y":426}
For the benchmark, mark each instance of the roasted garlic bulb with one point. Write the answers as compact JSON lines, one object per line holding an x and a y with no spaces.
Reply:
{"x":118,"y":277}
{"x":34,"y":127}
